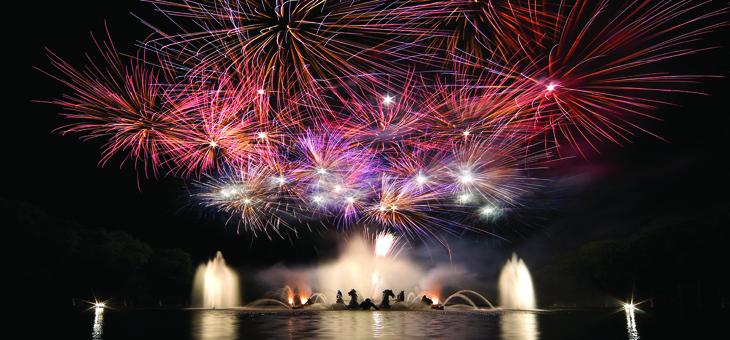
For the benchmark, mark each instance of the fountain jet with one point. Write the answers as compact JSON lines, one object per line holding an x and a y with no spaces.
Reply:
{"x":515,"y":285}
{"x":215,"y":285}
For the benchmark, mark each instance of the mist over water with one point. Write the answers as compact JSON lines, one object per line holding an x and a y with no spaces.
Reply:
{"x":368,"y":267}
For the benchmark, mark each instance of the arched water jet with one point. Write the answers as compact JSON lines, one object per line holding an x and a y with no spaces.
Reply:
{"x":515,"y":285}
{"x":411,"y":298}
{"x":318,"y":297}
{"x":462,"y":295}
{"x":264,"y":302}
{"x":215,"y":285}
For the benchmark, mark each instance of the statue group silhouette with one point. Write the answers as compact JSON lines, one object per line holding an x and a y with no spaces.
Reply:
{"x":385,"y":303}
{"x":367,"y":304}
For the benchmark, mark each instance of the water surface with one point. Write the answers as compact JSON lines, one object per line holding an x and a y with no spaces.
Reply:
{"x":248,"y":324}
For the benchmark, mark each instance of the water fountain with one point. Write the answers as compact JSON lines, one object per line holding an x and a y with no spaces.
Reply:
{"x":370,"y":266}
{"x":515,"y":286}
{"x":215,"y":285}
{"x":268,"y":304}
{"x":369,"y":269}
{"x":464,"y":295}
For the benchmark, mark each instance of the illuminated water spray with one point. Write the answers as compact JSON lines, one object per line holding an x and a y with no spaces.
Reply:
{"x":515,"y":285}
{"x":384,"y":242}
{"x":215,"y":285}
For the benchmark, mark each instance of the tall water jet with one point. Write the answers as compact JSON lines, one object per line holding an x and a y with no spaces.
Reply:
{"x":515,"y":285}
{"x":215,"y":285}
{"x":369,"y":268}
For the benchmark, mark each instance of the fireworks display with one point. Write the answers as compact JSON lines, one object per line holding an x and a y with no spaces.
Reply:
{"x":411,"y":116}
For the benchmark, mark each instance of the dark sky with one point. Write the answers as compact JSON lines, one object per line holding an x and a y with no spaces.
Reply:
{"x":591,"y":199}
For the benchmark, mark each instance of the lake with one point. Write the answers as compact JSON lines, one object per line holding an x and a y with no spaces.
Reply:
{"x":303,"y":324}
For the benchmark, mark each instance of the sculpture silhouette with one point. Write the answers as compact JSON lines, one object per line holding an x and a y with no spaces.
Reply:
{"x":339,"y":298}
{"x":426,"y":301}
{"x":367,"y":304}
{"x":310,"y":300}
{"x":387,"y":294}
{"x":296,"y":300}
{"x":401,"y":297}
{"x":353,"y":299}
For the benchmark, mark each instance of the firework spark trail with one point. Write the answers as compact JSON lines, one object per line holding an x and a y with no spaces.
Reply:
{"x":597,"y":69}
{"x":255,"y":195}
{"x":291,"y":44}
{"x":384,"y":120}
{"x":414,"y":116}
{"x":124,"y":103}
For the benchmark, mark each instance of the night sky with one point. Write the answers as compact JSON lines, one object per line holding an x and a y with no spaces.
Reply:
{"x":599,"y":197}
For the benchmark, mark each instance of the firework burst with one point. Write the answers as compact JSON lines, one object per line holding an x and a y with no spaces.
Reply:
{"x":255,"y":197}
{"x":125,"y":103}
{"x":292,"y":45}
{"x":411,"y":116}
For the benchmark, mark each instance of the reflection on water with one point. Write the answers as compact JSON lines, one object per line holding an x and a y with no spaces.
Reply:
{"x":377,"y":324}
{"x":215,"y":325}
{"x":518,"y":326}
{"x":231,"y":324}
{"x":631,"y":323}
{"x":383,"y":324}
{"x":97,"y":331}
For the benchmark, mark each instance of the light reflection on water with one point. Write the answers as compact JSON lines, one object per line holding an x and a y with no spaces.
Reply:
{"x":229,"y":324}
{"x":384,"y":324}
{"x":631,"y":324}
{"x":518,"y":326}
{"x":97,"y":331}
{"x":213,"y":325}
{"x":377,"y":324}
